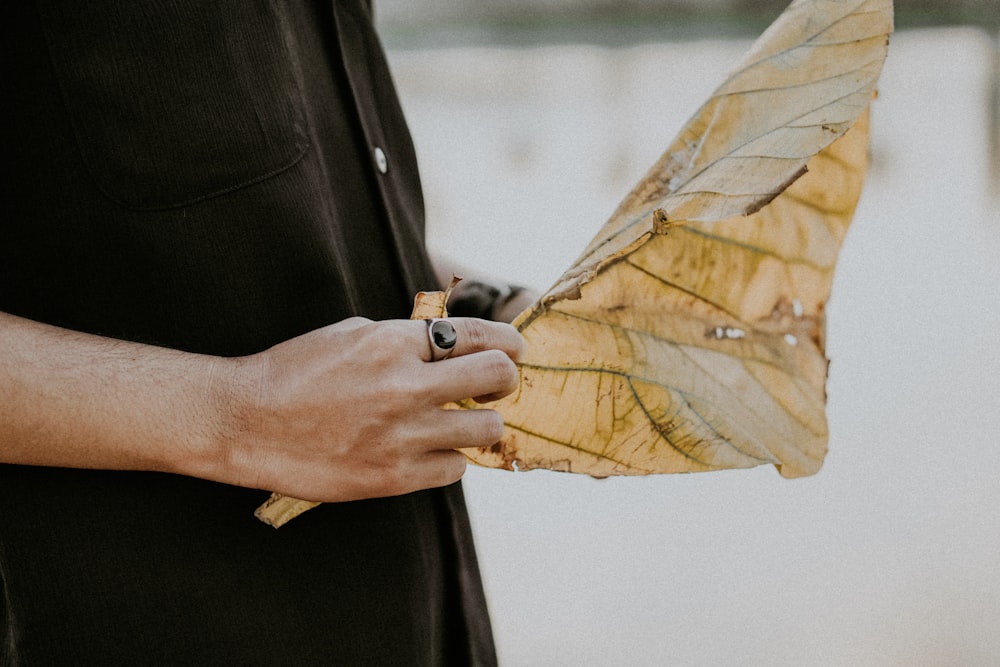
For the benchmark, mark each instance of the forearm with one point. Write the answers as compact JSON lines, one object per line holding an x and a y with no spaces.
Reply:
{"x":76,"y":400}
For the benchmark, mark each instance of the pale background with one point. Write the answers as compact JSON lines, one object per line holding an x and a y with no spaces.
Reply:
{"x":891,"y":554}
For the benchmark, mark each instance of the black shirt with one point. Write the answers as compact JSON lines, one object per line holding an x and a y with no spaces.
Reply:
{"x":215,"y":177}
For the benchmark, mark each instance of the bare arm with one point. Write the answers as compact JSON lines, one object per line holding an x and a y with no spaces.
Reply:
{"x":345,"y":412}
{"x":76,"y":400}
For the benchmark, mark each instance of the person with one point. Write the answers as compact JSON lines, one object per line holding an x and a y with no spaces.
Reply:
{"x":211,"y":239}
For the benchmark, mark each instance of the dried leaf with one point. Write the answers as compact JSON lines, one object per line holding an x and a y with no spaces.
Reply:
{"x":689,"y":335}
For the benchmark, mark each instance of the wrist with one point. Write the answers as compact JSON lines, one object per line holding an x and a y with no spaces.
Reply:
{"x":219,"y":451}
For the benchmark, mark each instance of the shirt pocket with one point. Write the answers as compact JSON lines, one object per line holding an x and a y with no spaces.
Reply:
{"x":176,"y":101}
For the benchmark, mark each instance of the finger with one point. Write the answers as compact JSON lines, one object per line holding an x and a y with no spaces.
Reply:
{"x":432,"y":470}
{"x":475,"y":335}
{"x":427,"y":470}
{"x":444,"y":467}
{"x":456,"y":429}
{"x":487,"y":375}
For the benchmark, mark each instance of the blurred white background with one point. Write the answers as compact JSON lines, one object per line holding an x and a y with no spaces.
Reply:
{"x":891,"y":554}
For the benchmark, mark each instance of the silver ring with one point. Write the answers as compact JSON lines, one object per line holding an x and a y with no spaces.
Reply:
{"x":442,"y":336}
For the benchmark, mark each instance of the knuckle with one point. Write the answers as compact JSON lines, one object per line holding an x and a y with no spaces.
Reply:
{"x":502,"y":371}
{"x":456,"y":469}
{"x":394,"y":482}
{"x":391,"y":480}
{"x":477,"y":334}
{"x":494,"y":427}
{"x":356,"y":321}
{"x":394,"y":336}
{"x":385,"y":338}
{"x":489,"y":428}
{"x":398,"y":388}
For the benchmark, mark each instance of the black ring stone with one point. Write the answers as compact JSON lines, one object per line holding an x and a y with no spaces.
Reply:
{"x":443,"y":334}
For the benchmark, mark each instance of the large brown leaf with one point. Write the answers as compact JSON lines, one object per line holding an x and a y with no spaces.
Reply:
{"x":689,"y":335}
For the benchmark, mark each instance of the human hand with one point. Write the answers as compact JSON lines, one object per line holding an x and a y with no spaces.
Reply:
{"x":354,"y":410}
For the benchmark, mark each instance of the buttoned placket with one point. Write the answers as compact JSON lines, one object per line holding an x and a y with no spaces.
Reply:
{"x":362,"y":56}
{"x":381,"y":161}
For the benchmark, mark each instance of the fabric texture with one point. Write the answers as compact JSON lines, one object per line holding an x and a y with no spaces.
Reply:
{"x":202,"y":176}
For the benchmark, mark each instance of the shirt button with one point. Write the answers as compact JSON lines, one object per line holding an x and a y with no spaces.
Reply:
{"x":380,"y":160}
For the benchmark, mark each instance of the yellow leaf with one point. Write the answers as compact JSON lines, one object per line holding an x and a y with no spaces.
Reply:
{"x":689,"y":335}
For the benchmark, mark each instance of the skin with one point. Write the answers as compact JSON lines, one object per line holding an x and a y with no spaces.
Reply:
{"x":346,"y":412}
